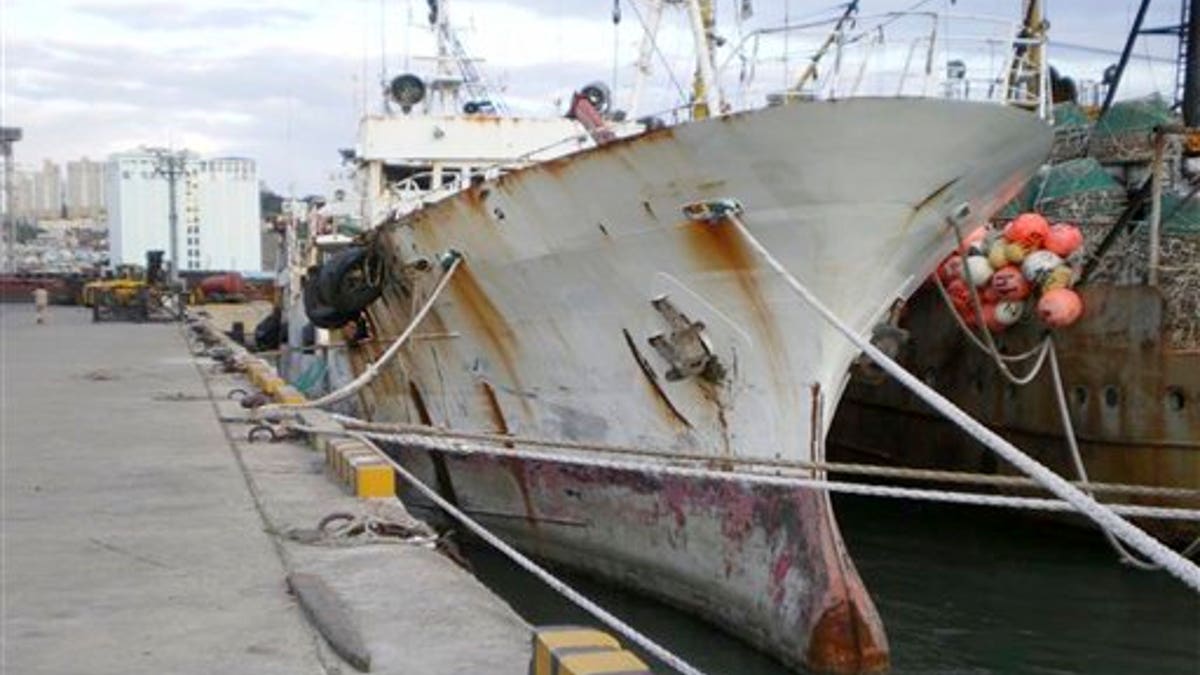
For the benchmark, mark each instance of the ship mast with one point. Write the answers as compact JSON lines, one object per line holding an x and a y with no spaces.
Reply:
{"x":811,"y":71}
{"x":1190,"y":30}
{"x":706,"y":92}
{"x":645,"y":54}
{"x":1028,"y":75}
{"x":452,"y":56}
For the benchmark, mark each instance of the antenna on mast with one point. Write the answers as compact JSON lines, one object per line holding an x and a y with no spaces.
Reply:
{"x":383,"y":76}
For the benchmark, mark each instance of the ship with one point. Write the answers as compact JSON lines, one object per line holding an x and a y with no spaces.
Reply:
{"x":597,"y":291}
{"x":1130,"y":368}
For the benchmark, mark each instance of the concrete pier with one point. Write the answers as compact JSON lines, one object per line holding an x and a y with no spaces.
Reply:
{"x":142,"y":535}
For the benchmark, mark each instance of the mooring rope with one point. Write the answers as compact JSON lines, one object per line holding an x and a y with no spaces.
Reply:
{"x":1148,"y":546}
{"x":1044,"y":348}
{"x":1039,"y":349}
{"x":1123,"y":553}
{"x":988,"y":343}
{"x":373,"y":370}
{"x":659,"y":652}
{"x":660,"y":469}
{"x":756,"y":463}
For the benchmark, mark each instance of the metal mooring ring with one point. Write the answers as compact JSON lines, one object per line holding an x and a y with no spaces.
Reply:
{"x":256,"y":434}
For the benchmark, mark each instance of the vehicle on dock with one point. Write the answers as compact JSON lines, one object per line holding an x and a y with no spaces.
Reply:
{"x":597,"y":283}
{"x":136,"y":294}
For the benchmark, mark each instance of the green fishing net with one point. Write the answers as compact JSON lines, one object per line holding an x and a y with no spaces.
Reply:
{"x":1125,"y":132}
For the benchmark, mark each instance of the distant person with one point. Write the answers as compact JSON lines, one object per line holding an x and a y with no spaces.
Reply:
{"x":41,"y":301}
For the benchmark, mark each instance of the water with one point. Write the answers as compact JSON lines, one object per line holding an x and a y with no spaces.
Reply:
{"x":960,"y":589}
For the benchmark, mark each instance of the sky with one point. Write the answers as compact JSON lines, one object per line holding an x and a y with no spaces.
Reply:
{"x":286,"y":81}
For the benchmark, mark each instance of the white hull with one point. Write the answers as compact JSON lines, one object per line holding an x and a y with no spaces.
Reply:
{"x":552,"y":312}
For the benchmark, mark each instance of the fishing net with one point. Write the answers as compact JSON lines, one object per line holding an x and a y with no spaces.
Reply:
{"x":1127,"y":261}
{"x":1179,"y":216}
{"x":1072,"y":128}
{"x":1080,"y":190}
{"x":1126,"y":132}
{"x":1179,"y":279}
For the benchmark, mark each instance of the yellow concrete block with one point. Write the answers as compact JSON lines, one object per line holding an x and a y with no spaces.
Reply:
{"x":601,"y":663}
{"x":328,"y":446}
{"x":374,"y":479}
{"x":350,"y":458}
{"x":336,"y":452}
{"x":547,"y":640}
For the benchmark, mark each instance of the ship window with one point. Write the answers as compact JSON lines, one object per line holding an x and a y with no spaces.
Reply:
{"x":1112,"y":396}
{"x":1080,"y":395}
{"x":1175,"y":399}
{"x":396,"y":174}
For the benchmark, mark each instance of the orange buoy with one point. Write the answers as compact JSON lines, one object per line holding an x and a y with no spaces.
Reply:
{"x":1028,"y":229}
{"x":968,"y":315}
{"x":951,"y":269}
{"x":1010,"y":284}
{"x":1060,"y":307}
{"x":1063,"y":239}
{"x":959,"y":294}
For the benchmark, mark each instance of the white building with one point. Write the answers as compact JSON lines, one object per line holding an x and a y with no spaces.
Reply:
{"x":85,"y":188}
{"x":217,"y":206}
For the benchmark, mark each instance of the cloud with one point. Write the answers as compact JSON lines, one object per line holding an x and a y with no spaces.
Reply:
{"x":284,"y":82}
{"x":175,"y":17}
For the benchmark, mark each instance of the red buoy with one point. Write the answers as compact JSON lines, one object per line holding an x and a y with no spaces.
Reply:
{"x":1010,"y":284}
{"x":1060,"y":307}
{"x":1063,"y":239}
{"x":951,"y":269}
{"x":1028,"y":229}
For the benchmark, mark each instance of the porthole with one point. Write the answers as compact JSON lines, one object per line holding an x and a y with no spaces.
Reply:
{"x":1176,"y":399}
{"x":1112,"y":396}
{"x":1079,"y":395}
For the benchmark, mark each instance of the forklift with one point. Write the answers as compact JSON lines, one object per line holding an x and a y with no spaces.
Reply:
{"x":135,"y":295}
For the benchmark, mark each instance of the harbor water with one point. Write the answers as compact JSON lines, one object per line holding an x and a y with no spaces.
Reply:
{"x":960,"y":589}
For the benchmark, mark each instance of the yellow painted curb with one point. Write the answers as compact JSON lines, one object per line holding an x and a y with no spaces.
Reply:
{"x":359,"y":468}
{"x":374,"y":479}
{"x":350,"y":459}
{"x":601,"y":663}
{"x":549,"y":643}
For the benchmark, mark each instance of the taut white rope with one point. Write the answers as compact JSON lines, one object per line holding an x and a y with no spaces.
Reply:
{"x":659,"y":652}
{"x":1148,"y":546}
{"x":372,"y":371}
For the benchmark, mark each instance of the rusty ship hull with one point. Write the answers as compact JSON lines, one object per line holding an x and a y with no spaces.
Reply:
{"x":575,"y":268}
{"x":1130,"y":394}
